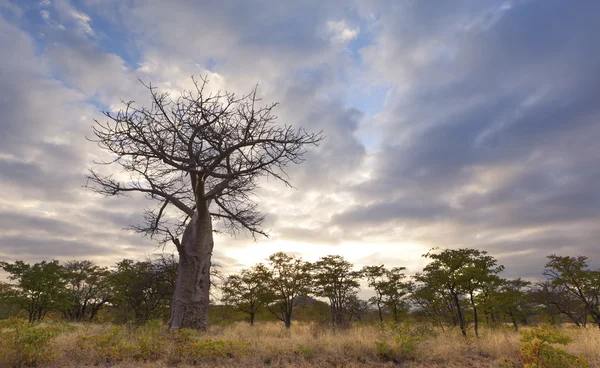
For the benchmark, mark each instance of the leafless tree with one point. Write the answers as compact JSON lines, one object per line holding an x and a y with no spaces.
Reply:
{"x":199,"y":157}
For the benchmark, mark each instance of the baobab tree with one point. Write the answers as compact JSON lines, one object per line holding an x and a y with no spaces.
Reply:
{"x":199,"y":157}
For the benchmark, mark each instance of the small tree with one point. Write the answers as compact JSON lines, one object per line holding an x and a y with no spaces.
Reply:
{"x":286,"y":278}
{"x":140,"y":291}
{"x":432,"y":301}
{"x":39,"y":288}
{"x":512,"y":299}
{"x":478,"y":273}
{"x":245,"y":291}
{"x":389,"y":288}
{"x":575,"y":277}
{"x":335,"y":280}
{"x":87,"y":288}
{"x":459,"y":272}
{"x":375,"y":276}
{"x":395,"y":291}
{"x":8,"y":306}
{"x":357,"y":308}
{"x":199,"y":157}
{"x":558,"y":300}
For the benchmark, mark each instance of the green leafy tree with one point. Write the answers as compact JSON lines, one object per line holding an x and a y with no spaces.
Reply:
{"x":478,"y":274}
{"x":286,"y":278}
{"x":87,"y":288}
{"x":389,"y":287}
{"x":8,"y":308}
{"x":335,"y":279}
{"x":357,"y":308}
{"x":140,"y":291}
{"x":461,"y":274}
{"x":574,"y":276}
{"x":514,"y":300}
{"x":395,"y":291}
{"x":39,"y":288}
{"x":375,"y":276}
{"x":557,"y":300}
{"x":433,"y":302}
{"x":246,"y":291}
{"x":443,"y":273}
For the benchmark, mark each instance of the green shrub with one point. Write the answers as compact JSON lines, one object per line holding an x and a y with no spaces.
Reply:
{"x":404,"y":341}
{"x":112,"y":346}
{"x":384,"y":350}
{"x":150,"y":341}
{"x":26,"y":344}
{"x":305,"y":351}
{"x":537,"y":350}
{"x":191,"y":348}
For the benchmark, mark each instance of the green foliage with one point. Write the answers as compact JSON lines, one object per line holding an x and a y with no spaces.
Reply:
{"x":335,"y":280}
{"x":246,"y":291}
{"x":389,"y":287}
{"x":404,"y":340}
{"x":38,"y":288}
{"x":578,"y":287}
{"x":112,"y":346}
{"x":384,"y":350}
{"x":87,"y":290}
{"x":459,"y":274}
{"x":150,"y":341}
{"x":286,"y":278}
{"x":537,"y":350}
{"x":26,"y":344}
{"x":142,"y":291}
{"x":305,"y":351}
{"x":190,"y":348}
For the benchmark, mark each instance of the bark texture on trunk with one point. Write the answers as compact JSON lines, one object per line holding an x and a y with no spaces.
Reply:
{"x":190,"y":299}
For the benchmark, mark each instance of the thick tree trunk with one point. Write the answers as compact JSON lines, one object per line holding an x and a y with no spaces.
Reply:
{"x":191,"y":296}
{"x":380,"y":313}
{"x":251,"y":318}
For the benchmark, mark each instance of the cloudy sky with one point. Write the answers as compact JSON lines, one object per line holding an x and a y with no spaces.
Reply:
{"x":448,"y":123}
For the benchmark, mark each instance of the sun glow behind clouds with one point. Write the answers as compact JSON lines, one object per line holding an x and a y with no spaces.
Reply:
{"x":446,"y":126}
{"x":359,"y":253}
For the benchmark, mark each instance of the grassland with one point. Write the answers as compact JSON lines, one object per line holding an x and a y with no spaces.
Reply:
{"x":268,"y":344}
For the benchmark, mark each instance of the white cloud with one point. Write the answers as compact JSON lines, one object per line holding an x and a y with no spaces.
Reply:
{"x":341,"y":32}
{"x":84,"y":20}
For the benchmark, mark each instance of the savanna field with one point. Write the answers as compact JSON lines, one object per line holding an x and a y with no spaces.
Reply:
{"x":269,"y":344}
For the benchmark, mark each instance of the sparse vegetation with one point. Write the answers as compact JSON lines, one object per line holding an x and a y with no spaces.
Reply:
{"x":411,"y":344}
{"x":458,"y":312}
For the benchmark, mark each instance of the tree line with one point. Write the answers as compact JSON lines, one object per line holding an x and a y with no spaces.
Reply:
{"x":458,"y":288}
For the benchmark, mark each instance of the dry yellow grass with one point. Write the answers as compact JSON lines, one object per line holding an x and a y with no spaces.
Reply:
{"x":305,"y":345}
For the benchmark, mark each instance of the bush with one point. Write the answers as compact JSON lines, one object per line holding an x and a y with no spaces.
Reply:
{"x":190,"y":348}
{"x":150,"y":341}
{"x":26,"y":344}
{"x":537,"y":350}
{"x":405,"y":339}
{"x":113,"y":346}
